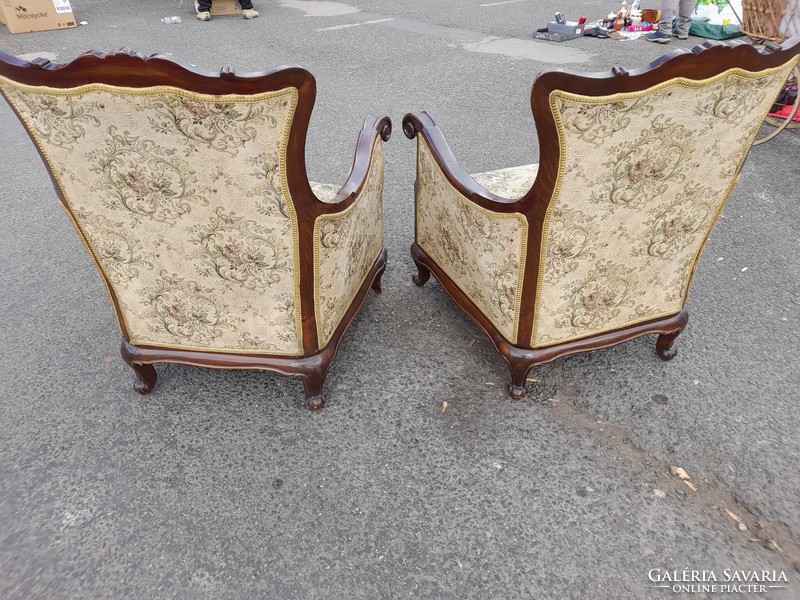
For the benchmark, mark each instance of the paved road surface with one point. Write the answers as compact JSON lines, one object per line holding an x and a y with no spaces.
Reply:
{"x":221,"y":485}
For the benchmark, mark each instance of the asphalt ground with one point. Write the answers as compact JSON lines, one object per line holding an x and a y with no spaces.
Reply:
{"x":222,"y":485}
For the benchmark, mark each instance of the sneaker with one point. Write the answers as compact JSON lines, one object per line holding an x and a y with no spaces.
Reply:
{"x":249,"y":13}
{"x":204,"y":16}
{"x":659,"y":37}
{"x":680,"y":36}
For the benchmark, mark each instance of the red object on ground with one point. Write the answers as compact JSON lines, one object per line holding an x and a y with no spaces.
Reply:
{"x":784,"y":112}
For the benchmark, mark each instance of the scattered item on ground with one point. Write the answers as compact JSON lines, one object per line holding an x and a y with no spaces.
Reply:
{"x":623,"y":25}
{"x":171,"y":20}
{"x":706,"y":29}
{"x":597,"y":32}
{"x":444,"y":406}
{"x":561,"y":30}
{"x":651,"y":15}
{"x":690,"y":485}
{"x":733,"y":515}
{"x":680,"y":472}
{"x":24,"y":16}
{"x":659,"y":493}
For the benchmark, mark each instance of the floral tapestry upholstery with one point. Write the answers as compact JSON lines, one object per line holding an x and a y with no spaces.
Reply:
{"x":512,"y":183}
{"x":182,"y":200}
{"x":643,"y":178}
{"x":481,"y":251}
{"x":324,"y":191}
{"x":346,"y":246}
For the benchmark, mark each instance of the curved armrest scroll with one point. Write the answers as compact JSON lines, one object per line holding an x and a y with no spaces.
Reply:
{"x":423,"y":124}
{"x":362,"y":161}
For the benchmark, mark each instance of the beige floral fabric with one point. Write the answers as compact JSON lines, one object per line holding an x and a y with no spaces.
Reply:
{"x":512,"y":183}
{"x":346,"y":246}
{"x":324,"y":191}
{"x":643,"y":178}
{"x":481,"y":251}
{"x":183,"y":202}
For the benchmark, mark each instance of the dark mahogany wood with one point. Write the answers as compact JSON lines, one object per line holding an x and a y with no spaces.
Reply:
{"x":698,"y":63}
{"x":131,"y":69}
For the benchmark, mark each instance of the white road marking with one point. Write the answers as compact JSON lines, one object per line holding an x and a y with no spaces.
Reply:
{"x":320,"y":9}
{"x":504,"y":2}
{"x":346,"y":25}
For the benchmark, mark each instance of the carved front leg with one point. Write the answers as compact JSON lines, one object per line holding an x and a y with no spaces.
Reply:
{"x":519,"y":372}
{"x":423,"y":274}
{"x":313,"y":387}
{"x":146,"y":378}
{"x":664,"y":345}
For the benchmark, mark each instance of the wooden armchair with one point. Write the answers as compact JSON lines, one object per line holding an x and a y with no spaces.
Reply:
{"x":189,"y":191}
{"x":598,"y":243}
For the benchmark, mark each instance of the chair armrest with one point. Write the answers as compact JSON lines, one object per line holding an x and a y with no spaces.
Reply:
{"x":348,"y":236}
{"x":424,"y":125}
{"x":362,"y":162}
{"x":477,"y":240}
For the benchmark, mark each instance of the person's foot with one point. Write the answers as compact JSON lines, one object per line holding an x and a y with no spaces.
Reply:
{"x":249,"y":13}
{"x":680,"y":36}
{"x":204,"y":16}
{"x":659,"y":37}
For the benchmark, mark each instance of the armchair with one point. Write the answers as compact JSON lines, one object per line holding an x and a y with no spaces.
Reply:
{"x":599,"y":242}
{"x":189,"y":191}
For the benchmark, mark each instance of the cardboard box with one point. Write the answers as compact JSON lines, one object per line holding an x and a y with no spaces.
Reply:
{"x":554,"y":36}
{"x":22,"y":16}
{"x":220,"y":8}
{"x":556,"y":32}
{"x":568,"y":28}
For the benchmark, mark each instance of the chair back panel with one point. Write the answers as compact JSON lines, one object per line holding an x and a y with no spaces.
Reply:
{"x":642,"y":179}
{"x":183,"y":202}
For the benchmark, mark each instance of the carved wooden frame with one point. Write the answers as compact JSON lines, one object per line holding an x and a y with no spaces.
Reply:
{"x":130,"y":69}
{"x":701,"y":62}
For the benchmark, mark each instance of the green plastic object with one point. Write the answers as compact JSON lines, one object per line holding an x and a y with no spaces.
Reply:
{"x":714,"y":32}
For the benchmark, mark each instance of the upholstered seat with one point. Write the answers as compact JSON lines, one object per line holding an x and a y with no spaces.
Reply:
{"x":599,"y":244}
{"x":511,"y":182}
{"x":190,"y":193}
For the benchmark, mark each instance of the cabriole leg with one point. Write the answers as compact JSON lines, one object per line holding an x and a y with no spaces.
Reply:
{"x":146,"y":378}
{"x":376,"y":283}
{"x":423,"y":274}
{"x":519,"y":371}
{"x":313,"y":387}
{"x":664,"y":345}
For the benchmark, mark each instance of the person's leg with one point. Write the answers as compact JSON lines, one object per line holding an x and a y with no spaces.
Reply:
{"x":668,"y":12}
{"x":685,"y":10}
{"x":248,"y":12}
{"x":203,"y":6}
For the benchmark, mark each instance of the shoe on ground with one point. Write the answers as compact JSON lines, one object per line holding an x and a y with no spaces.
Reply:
{"x":249,"y":13}
{"x":659,"y":37}
{"x":204,"y":16}
{"x":680,"y":36}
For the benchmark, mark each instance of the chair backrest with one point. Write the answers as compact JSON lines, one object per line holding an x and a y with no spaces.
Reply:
{"x":187,"y":188}
{"x":635,"y":170}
